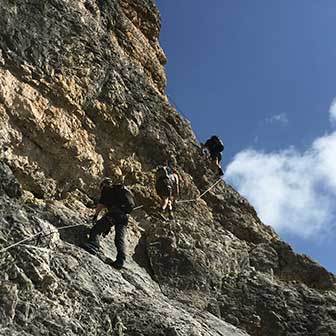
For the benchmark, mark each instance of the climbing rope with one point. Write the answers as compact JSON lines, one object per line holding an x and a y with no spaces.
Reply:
{"x":43,"y":234}
{"x":206,"y":191}
{"x":177,"y":108}
{"x":199,"y":197}
{"x":189,"y":200}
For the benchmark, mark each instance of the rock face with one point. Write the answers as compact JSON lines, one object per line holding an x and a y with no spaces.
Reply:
{"x":82,"y":95}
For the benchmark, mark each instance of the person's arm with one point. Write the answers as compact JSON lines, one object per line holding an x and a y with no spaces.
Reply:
{"x":99,"y":208}
{"x":208,"y":143}
{"x":101,"y":203}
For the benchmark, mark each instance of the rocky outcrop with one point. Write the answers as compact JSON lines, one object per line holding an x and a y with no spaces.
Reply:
{"x":82,"y":95}
{"x":50,"y":286}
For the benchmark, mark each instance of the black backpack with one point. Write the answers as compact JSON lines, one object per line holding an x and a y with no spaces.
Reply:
{"x":216,"y":144}
{"x":162,"y":172}
{"x":165,"y":174}
{"x":121,"y":197}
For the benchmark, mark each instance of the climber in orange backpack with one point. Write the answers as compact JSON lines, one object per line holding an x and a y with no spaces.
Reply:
{"x":212,"y":150}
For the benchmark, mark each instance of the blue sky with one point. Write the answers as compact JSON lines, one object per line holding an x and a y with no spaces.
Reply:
{"x":262,"y":75}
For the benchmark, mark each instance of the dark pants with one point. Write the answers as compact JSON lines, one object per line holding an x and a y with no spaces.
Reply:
{"x":215,"y":156}
{"x":104,"y":225}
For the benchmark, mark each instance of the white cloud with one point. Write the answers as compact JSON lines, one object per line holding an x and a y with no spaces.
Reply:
{"x":325,"y":147}
{"x":292,"y":191}
{"x":278,"y":118}
{"x":332,"y":112}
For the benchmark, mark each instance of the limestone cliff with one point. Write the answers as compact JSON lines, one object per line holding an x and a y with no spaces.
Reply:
{"x":82,"y":92}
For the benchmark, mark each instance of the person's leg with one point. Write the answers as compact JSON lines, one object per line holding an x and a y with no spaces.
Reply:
{"x":164,"y":203}
{"x":215,"y":159}
{"x":121,"y":221}
{"x":218,"y":160}
{"x":175,"y":192}
{"x":173,"y":201}
{"x":164,"y":191}
{"x":170,"y":208}
{"x":219,"y":157}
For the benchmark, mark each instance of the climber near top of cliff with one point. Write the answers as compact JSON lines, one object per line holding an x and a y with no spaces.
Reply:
{"x":119,"y":202}
{"x":167,"y":186}
{"x":212,"y":150}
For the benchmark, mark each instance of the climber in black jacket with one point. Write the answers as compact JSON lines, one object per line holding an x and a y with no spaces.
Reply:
{"x":119,"y":202}
{"x":212,"y":150}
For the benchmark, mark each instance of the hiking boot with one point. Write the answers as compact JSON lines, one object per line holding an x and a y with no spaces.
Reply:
{"x":171,"y":215}
{"x":161,"y":214}
{"x":91,"y":247}
{"x":117,"y":265}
